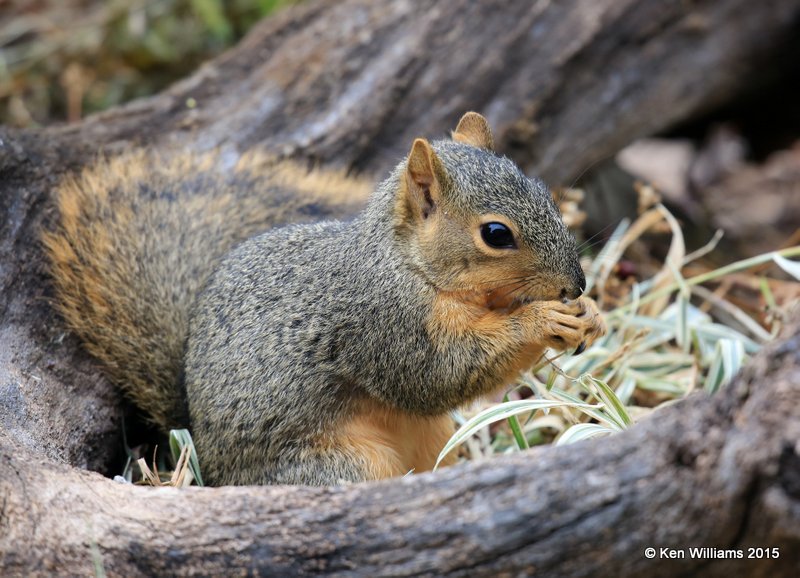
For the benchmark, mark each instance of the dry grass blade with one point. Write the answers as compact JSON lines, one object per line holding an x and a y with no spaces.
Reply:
{"x":639,"y":227}
{"x":181,"y":477}
{"x":740,"y":316}
{"x":179,"y":440}
{"x":674,"y":260}
{"x":149,"y":477}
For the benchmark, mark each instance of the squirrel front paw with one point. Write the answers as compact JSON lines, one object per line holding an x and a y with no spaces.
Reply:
{"x":572,"y":324}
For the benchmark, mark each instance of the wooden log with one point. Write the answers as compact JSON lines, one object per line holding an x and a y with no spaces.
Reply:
{"x":721,"y":473}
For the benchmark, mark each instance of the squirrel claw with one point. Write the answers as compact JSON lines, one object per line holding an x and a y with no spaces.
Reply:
{"x":581,"y":348}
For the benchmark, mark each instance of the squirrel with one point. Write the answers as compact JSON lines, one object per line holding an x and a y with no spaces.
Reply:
{"x":301,"y":347}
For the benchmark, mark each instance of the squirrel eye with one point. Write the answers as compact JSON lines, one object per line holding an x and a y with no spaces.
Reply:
{"x":498,"y":236}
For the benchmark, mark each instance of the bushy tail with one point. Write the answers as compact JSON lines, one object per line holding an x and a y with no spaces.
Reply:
{"x":138,"y":235}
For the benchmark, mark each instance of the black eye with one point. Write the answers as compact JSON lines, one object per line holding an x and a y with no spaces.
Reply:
{"x":498,"y":236}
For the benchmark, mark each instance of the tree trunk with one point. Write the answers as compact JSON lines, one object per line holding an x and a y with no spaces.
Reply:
{"x":352,"y":83}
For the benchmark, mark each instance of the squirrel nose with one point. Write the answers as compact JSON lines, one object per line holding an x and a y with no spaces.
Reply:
{"x":577,"y":288}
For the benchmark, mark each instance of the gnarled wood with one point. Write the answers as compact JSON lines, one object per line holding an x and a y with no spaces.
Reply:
{"x":720,"y":472}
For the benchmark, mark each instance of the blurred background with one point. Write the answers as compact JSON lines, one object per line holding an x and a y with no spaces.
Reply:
{"x":63,"y":59}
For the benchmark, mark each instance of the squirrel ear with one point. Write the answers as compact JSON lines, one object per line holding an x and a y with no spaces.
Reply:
{"x":421,"y":180}
{"x":474,"y":130}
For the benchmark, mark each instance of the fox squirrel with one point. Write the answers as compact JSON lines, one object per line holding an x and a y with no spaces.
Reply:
{"x":326,"y":352}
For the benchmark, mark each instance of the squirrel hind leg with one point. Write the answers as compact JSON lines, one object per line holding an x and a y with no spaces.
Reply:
{"x":393,"y":443}
{"x":316,"y":466}
{"x":360,"y":437}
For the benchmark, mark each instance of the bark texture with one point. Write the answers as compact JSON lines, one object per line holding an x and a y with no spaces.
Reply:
{"x":721,"y":472}
{"x":352,"y":83}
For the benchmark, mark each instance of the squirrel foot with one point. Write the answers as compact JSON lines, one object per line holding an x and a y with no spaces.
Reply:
{"x":572,"y":324}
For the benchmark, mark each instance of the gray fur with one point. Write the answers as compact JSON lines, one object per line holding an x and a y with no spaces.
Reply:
{"x":298,"y":322}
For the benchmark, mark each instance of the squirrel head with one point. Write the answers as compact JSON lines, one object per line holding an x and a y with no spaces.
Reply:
{"x":475,"y":224}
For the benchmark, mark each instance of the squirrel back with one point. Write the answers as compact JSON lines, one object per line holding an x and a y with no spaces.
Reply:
{"x":139,"y":234}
